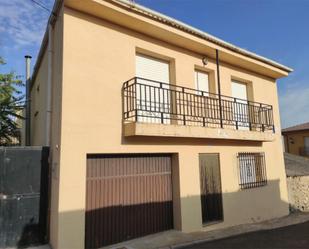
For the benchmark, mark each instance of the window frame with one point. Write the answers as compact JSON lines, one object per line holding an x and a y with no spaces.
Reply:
{"x":256,"y":161}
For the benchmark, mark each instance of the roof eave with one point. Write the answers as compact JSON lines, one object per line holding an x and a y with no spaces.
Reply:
{"x":202,"y":34}
{"x":51,"y":21}
{"x":163,"y":18}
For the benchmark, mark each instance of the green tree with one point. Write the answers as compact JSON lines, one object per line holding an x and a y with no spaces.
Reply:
{"x":11,"y":105}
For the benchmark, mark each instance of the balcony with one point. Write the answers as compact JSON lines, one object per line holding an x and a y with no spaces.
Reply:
{"x":152,"y":108}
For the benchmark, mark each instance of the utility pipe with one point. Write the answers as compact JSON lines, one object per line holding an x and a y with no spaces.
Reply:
{"x":28,"y":103}
{"x":49,"y":85}
{"x":219,"y":87}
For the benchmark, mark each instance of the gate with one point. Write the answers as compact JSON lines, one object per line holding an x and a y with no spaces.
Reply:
{"x":23,"y":196}
{"x":128,"y":196}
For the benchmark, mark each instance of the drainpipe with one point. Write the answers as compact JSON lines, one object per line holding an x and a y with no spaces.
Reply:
{"x":49,"y":84}
{"x":219,"y":87}
{"x":28,"y":103}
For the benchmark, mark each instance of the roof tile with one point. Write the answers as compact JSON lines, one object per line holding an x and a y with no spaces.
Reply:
{"x":300,"y":127}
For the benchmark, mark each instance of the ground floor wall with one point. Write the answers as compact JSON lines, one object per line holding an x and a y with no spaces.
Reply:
{"x":298,"y":190}
{"x":239,"y":206}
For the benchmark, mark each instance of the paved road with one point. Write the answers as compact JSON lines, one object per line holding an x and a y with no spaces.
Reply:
{"x":291,"y":237}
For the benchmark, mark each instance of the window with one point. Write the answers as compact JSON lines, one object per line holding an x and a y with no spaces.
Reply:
{"x":241,"y":111}
{"x":153,"y":102}
{"x":252,"y":170}
{"x":201,"y":82}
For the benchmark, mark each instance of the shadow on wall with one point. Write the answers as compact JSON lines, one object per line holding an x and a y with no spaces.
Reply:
{"x":113,"y":222}
{"x":185,"y":141}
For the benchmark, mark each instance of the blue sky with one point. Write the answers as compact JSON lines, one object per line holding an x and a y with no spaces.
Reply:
{"x":277,"y":29}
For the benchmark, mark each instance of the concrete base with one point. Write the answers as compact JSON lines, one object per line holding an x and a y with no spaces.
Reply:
{"x":175,"y":130}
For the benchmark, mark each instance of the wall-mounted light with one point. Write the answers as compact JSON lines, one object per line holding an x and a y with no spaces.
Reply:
{"x":205,"y":61}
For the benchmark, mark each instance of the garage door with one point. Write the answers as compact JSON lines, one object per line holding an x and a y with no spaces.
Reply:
{"x":128,"y":196}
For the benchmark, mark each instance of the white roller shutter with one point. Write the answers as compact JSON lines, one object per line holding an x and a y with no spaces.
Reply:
{"x":239,"y":90}
{"x":152,"y":69}
{"x":201,"y":81}
{"x":153,"y":99}
{"x":241,"y":112}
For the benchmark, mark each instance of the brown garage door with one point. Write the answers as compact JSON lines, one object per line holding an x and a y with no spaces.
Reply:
{"x":128,"y":196}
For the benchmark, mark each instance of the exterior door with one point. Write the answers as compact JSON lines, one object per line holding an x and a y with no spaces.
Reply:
{"x":306,"y":149}
{"x":240,"y":112}
{"x":153,"y":98}
{"x":211,"y":193}
{"x":201,"y":103}
{"x":127,"y":196}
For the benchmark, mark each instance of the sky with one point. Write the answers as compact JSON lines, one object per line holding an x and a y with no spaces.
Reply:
{"x":276,"y":29}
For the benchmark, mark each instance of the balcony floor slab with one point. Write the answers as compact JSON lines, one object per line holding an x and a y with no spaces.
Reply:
{"x":174,"y":130}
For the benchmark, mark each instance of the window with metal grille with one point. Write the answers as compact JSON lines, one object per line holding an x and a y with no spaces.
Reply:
{"x":252,"y":170}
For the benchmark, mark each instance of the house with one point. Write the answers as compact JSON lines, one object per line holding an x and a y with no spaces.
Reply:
{"x":296,"y":139}
{"x":152,"y":125}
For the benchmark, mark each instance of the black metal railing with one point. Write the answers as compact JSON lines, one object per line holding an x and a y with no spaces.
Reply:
{"x":157,"y":102}
{"x":252,"y":170}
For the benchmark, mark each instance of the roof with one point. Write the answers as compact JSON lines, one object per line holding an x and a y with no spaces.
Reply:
{"x":300,"y":127}
{"x":202,"y":34}
{"x":132,"y":6}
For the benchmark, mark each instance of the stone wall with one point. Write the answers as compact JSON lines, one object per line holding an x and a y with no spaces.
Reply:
{"x":298,"y":190}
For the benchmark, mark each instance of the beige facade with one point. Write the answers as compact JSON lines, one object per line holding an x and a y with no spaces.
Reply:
{"x":94,"y":51}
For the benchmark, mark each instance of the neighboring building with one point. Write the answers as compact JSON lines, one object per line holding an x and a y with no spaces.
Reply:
{"x":145,"y":134}
{"x":296,"y":139}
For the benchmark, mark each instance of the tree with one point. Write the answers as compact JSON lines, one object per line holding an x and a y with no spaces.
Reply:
{"x":11,"y":105}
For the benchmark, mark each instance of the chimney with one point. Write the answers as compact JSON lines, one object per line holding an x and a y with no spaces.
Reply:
{"x":28,"y":113}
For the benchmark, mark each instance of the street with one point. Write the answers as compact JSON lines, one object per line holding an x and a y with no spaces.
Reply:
{"x":291,"y":237}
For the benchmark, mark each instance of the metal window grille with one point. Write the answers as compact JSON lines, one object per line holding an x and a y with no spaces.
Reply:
{"x":252,"y":170}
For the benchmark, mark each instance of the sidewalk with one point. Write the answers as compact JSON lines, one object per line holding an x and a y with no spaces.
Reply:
{"x":176,"y":239}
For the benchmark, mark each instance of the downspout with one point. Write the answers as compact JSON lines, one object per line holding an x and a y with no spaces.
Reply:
{"x":49,"y":85}
{"x":219,"y":87}
{"x":28,"y":103}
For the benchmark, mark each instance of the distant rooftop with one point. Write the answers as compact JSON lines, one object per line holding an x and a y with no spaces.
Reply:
{"x":300,"y":127}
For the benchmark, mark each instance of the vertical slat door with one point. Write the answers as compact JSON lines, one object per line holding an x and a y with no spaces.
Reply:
{"x":211,"y":193}
{"x":128,"y":196}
